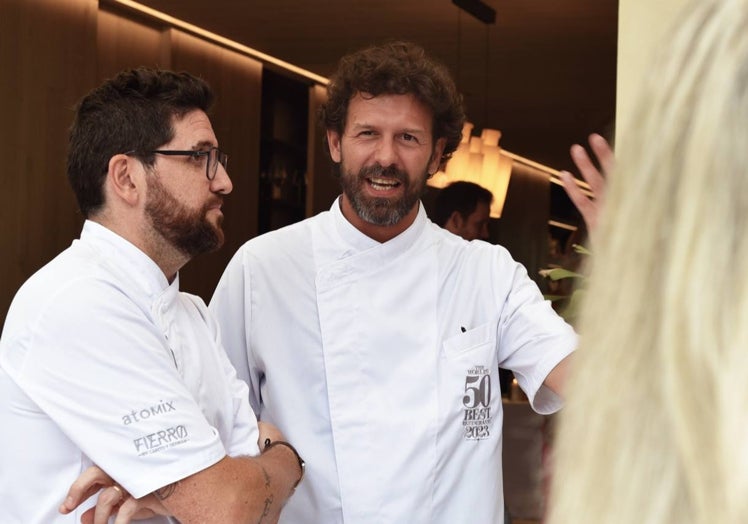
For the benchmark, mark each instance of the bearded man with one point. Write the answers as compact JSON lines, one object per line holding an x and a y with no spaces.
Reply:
{"x":104,"y":361}
{"x":373,"y":337}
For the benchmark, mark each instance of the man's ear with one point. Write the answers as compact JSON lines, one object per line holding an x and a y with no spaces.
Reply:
{"x":454,"y":222}
{"x":333,"y":142}
{"x":436,"y":157}
{"x":122,"y":179}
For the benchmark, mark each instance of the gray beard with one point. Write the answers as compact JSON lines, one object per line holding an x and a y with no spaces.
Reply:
{"x":375,"y":210}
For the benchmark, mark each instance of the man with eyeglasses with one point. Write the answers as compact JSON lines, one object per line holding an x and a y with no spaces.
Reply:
{"x":104,"y":361}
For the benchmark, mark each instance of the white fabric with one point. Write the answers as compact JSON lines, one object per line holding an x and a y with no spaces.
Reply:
{"x":370,"y":358}
{"x":102,"y":361}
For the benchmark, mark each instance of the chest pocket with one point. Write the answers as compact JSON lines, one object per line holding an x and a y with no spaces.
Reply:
{"x":471,"y":342}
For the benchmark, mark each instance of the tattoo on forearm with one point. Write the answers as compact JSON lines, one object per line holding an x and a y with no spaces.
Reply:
{"x":166,"y":492}
{"x":266,"y":510}
{"x":267,"y":477}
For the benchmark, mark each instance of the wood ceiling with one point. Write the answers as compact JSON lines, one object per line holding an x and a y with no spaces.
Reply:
{"x":544,"y":74}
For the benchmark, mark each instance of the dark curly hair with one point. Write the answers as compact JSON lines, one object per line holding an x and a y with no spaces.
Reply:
{"x":397,"y":68}
{"x":131,"y":112}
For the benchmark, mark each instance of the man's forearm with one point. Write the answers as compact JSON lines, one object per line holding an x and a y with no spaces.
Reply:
{"x":238,"y":490}
{"x":556,"y":379}
{"x":242,"y":490}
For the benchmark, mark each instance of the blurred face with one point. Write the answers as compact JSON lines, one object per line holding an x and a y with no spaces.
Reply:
{"x":475,"y":225}
{"x":182,"y":205}
{"x":386,"y":153}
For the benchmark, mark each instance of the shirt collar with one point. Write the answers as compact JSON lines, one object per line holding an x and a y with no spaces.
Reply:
{"x":360,"y":242}
{"x":129,"y":259}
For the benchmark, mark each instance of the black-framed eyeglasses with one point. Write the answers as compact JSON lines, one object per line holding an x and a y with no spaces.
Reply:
{"x":215,"y":157}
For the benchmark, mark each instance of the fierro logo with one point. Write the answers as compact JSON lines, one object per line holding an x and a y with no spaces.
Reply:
{"x":160,"y":440}
{"x":136,"y":415}
{"x":477,"y":403}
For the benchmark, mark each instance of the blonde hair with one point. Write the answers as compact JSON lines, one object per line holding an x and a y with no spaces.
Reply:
{"x":656,"y":425}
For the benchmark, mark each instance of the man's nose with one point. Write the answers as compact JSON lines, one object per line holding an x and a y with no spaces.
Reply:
{"x":222,"y":182}
{"x":385,"y":154}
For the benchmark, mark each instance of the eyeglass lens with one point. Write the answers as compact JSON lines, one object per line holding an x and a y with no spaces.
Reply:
{"x":215,"y":157}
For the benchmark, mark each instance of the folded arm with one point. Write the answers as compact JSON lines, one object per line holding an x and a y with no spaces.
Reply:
{"x":239,"y":489}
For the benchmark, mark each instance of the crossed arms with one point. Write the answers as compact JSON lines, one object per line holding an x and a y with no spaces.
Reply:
{"x":240,"y":489}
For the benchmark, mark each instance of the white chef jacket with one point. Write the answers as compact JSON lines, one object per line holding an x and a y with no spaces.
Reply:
{"x":103,"y":361}
{"x":379,"y":361}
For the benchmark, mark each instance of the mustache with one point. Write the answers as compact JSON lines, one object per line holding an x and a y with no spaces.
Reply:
{"x":377,"y":170}
{"x":217,"y":201}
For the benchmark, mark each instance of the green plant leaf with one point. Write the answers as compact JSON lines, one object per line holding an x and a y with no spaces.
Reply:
{"x":581,"y":249}
{"x":557,"y":273}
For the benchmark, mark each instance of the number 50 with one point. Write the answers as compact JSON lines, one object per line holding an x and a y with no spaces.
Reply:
{"x":477,"y":393}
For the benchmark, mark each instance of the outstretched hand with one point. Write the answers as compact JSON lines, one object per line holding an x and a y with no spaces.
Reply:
{"x":588,"y":207}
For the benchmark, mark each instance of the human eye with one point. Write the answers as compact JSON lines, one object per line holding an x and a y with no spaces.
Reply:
{"x":410,"y":139}
{"x":197,"y":156}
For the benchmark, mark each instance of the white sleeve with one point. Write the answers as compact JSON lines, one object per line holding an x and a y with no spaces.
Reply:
{"x":231,"y":306}
{"x":96,"y":364}
{"x":533,"y":338}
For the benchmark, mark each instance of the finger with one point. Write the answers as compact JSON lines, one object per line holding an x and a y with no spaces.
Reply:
{"x":139,"y":509}
{"x":587,"y":207}
{"x":88,"y":516}
{"x":577,"y":197}
{"x":127,"y":511}
{"x":107,"y":503}
{"x":584,"y":163}
{"x":122,"y":495}
{"x":85,"y":486}
{"x":603,"y":152}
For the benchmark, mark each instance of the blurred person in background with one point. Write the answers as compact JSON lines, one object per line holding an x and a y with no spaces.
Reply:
{"x":463,"y":208}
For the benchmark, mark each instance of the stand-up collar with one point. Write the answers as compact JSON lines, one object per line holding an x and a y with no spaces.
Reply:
{"x":360,"y":242}
{"x":138,"y":267}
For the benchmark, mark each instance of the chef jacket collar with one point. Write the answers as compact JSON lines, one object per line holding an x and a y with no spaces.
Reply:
{"x":360,"y":242}
{"x":139,"y":268}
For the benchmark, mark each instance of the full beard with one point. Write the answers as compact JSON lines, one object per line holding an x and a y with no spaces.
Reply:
{"x":381,"y":211}
{"x":188,"y":231}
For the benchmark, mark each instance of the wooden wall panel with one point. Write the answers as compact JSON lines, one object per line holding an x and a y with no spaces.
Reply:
{"x":322,"y":186}
{"x":52,"y":53}
{"x":236,"y":80}
{"x":47,"y":49}
{"x":523,"y":226}
{"x":123,"y":43}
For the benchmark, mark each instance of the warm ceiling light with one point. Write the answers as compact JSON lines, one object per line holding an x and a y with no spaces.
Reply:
{"x":480,"y":160}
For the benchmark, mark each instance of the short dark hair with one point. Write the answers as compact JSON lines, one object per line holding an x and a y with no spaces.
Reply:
{"x":398,"y":68}
{"x":133,"y":111}
{"x":460,"y":196}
